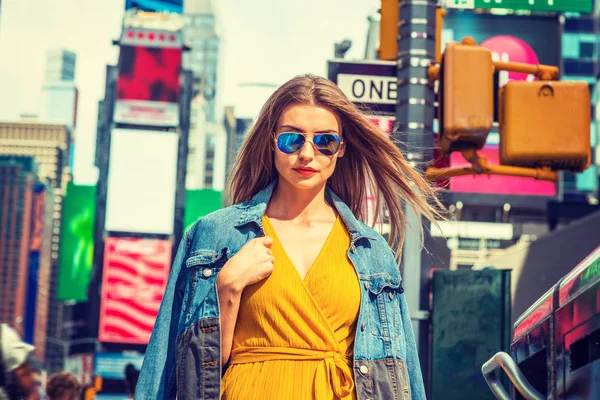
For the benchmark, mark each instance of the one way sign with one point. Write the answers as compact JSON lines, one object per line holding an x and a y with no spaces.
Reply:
{"x":371,"y":85}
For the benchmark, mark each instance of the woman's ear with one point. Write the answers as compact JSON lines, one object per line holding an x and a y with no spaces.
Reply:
{"x":342,"y":150}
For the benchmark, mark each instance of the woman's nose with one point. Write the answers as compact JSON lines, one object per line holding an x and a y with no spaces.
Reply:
{"x":308,"y":150}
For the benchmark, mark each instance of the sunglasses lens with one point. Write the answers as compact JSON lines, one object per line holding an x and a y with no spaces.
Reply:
{"x":290,"y":143}
{"x":327,"y":143}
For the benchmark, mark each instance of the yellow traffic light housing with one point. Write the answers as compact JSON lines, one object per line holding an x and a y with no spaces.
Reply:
{"x":388,"y":30}
{"x":545,"y":124}
{"x":466,"y":96}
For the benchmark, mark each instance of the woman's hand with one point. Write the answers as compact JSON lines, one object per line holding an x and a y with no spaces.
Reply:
{"x":253,"y":263}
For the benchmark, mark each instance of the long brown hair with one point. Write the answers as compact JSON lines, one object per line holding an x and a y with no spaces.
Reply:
{"x":371,"y":164}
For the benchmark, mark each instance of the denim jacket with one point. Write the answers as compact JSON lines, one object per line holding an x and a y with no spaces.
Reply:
{"x":183,"y":357}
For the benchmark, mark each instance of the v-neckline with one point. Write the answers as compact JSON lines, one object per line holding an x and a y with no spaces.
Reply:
{"x":325,"y":243}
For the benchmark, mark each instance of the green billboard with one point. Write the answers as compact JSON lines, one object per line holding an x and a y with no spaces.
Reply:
{"x":77,"y":238}
{"x":198,"y":203}
{"x":557,"y":6}
{"x":77,"y":242}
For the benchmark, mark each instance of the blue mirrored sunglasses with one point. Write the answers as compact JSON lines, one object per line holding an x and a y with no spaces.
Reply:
{"x":326,"y":143}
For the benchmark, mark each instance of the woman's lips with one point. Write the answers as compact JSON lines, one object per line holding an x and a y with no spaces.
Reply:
{"x":305,"y":171}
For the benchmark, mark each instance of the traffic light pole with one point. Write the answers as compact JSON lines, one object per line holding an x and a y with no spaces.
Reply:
{"x":415,"y":112}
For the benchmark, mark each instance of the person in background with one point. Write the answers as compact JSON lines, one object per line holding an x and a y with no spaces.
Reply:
{"x":131,"y":378}
{"x":36,"y":377}
{"x":16,"y":381}
{"x":63,"y":386}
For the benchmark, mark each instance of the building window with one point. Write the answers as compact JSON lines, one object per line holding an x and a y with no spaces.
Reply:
{"x":587,"y":50}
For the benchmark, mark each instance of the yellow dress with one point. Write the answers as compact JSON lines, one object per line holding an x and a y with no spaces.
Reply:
{"x":294,"y":338}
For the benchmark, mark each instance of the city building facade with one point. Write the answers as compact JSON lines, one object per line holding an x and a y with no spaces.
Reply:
{"x":580,"y":50}
{"x":48,"y":145}
{"x":201,"y":33}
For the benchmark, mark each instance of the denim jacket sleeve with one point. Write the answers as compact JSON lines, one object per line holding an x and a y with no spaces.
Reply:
{"x":417,"y":388}
{"x":157,"y":377}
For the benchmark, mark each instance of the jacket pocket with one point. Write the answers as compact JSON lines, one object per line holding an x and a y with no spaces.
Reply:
{"x":384,"y":290}
{"x":203,"y":267}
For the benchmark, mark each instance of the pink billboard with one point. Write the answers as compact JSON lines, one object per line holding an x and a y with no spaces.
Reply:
{"x":496,"y":184}
{"x":134,"y":278}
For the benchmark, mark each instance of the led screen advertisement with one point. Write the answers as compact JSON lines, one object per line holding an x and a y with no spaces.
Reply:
{"x":142,"y":177}
{"x":148,"y":83}
{"x":171,"y":6}
{"x":511,"y":38}
{"x":556,"y":6}
{"x":77,"y":242}
{"x":199,"y":203}
{"x":134,"y":277}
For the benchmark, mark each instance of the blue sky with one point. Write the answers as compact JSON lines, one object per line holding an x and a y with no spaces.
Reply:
{"x":264,"y":41}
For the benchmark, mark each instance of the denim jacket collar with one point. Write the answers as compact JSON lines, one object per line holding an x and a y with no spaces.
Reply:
{"x":257,"y":206}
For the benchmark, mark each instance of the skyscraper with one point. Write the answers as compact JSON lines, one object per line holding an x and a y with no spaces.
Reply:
{"x":207,"y":150}
{"x":239,"y":119}
{"x":17,"y":181}
{"x":201,"y":32}
{"x":59,"y":93}
{"x":48,"y":144}
{"x":60,"y":66}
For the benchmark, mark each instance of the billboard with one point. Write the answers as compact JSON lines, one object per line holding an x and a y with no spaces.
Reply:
{"x":112,"y":365}
{"x":142,"y":178}
{"x":510,"y":38}
{"x":148,"y":83}
{"x":496,"y":184}
{"x":77,"y":242}
{"x":81,"y":365}
{"x":171,"y":6}
{"x":552,"y":6}
{"x":134,"y":278}
{"x":198,"y":203}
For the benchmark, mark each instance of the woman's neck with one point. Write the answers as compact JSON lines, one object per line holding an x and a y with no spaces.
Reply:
{"x":291,"y":203}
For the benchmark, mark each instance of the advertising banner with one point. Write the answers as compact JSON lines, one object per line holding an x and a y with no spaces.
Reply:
{"x":142,"y":179}
{"x":148,"y":84}
{"x":77,"y":242}
{"x":199,"y":203}
{"x":112,"y":365}
{"x":134,"y":278}
{"x":496,"y":184}
{"x":171,"y":6}
{"x":81,"y":365}
{"x":551,"y":6}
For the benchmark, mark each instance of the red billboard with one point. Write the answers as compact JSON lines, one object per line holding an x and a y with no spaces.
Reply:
{"x":148,"y":84}
{"x":134,"y":278}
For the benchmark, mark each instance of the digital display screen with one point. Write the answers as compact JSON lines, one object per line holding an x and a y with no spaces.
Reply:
{"x":558,"y":6}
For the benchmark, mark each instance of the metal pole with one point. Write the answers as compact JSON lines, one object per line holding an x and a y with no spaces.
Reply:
{"x":415,"y":112}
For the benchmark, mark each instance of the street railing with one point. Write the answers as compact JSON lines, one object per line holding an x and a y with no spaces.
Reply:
{"x":512,"y":370}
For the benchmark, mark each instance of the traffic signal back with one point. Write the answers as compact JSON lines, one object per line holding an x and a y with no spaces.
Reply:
{"x":466,"y":96}
{"x":545,"y":123}
{"x":388,"y":30}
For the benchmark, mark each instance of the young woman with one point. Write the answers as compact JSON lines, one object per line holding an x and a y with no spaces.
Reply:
{"x":286,"y":294}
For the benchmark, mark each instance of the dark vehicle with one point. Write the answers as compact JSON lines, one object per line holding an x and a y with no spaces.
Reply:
{"x":555,"y":352}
